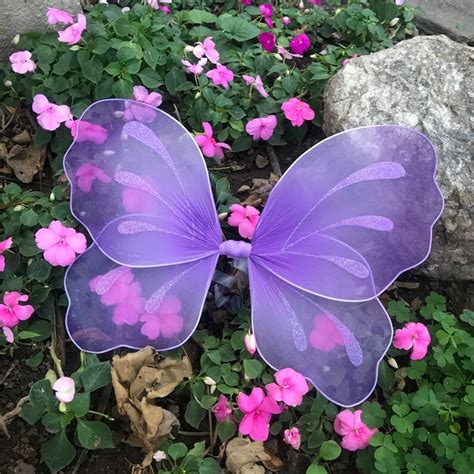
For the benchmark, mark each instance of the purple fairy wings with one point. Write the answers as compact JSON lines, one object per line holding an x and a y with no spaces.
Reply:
{"x":347,"y":218}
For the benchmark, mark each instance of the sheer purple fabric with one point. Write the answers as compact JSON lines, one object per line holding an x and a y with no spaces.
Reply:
{"x":347,"y":218}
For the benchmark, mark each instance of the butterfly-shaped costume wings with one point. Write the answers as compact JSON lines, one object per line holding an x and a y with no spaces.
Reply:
{"x":345,"y":220}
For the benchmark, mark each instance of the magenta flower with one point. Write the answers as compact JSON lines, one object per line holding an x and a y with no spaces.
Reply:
{"x":257,"y":83}
{"x":65,"y":389}
{"x":118,"y":290}
{"x":289,"y":388}
{"x":297,"y":111}
{"x":60,"y":244}
{"x":12,"y":312}
{"x":4,"y":245}
{"x":266,"y":9}
{"x":267,"y":40}
{"x":21,"y":62}
{"x":128,"y":311}
{"x":325,"y":336}
{"x":222,"y":409}
{"x":165,"y":321}
{"x":413,"y":336}
{"x":300,"y":43}
{"x":208,"y":144}
{"x":197,"y":69}
{"x":356,"y":434}
{"x":286,"y":20}
{"x":250,"y":343}
{"x":166,"y":9}
{"x":50,"y":116}
{"x":138,"y":112}
{"x":246,"y":3}
{"x":315,"y":2}
{"x":245,"y":218}
{"x":8,"y":333}
{"x":87,"y":173}
{"x":58,"y":16}
{"x":258,"y":410}
{"x":207,"y":49}
{"x":220,"y":76}
{"x":261,"y":128}
{"x":292,"y":437}
{"x":72,"y":34}
{"x":89,"y":131}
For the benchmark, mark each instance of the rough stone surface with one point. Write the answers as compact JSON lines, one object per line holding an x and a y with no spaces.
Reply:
{"x":425,"y":83}
{"x":454,"y":18}
{"x":20,"y":16}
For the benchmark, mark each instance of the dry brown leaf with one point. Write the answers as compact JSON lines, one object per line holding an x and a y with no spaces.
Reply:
{"x":22,"y":138}
{"x":262,"y":186}
{"x":138,"y":379}
{"x":261,"y":161}
{"x":26,"y":162}
{"x":243,"y":456}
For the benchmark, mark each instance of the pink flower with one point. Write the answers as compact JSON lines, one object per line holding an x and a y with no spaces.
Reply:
{"x":11,"y":312}
{"x":289,"y":388}
{"x":4,"y":245}
{"x":50,"y":116}
{"x":137,"y":111}
{"x":208,"y":144}
{"x":297,"y":111}
{"x":220,"y":76}
{"x":267,"y":40}
{"x":60,"y":243}
{"x":258,"y":410}
{"x":245,"y":218}
{"x":72,"y":34}
{"x":117,"y":290}
{"x":325,"y":336}
{"x":346,"y":61}
{"x":356,"y":434}
{"x":300,"y":43}
{"x":65,"y":389}
{"x":285,"y":54}
{"x":89,"y":131}
{"x":58,"y":16}
{"x":87,"y":173}
{"x":8,"y":333}
{"x":257,"y":83}
{"x":21,"y":62}
{"x":246,"y":3}
{"x":292,"y":437}
{"x":195,"y":68}
{"x":266,"y":9}
{"x":286,"y":20}
{"x":399,"y":2}
{"x":165,"y":321}
{"x":130,"y":309}
{"x":315,"y":2}
{"x":261,"y":128}
{"x":250,"y":343}
{"x":208,"y":49}
{"x":155,"y":4}
{"x":222,"y":410}
{"x":165,"y":9}
{"x":413,"y":336}
{"x":138,"y":200}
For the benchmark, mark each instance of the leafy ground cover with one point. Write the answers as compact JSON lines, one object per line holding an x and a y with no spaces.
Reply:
{"x":247,"y":80}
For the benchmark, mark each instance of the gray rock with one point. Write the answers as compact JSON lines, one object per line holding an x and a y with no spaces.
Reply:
{"x":21,"y":16}
{"x":425,"y":83}
{"x":454,"y":18}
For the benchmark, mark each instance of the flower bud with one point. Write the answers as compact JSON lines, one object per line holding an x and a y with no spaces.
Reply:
{"x":18,"y":208}
{"x":62,"y":407}
{"x":51,"y":376}
{"x":52,"y":197}
{"x":392,"y":363}
{"x":159,"y":456}
{"x":125,"y":9}
{"x":286,"y":20}
{"x":394,"y":21}
{"x":198,"y":94}
{"x":301,"y":5}
{"x":188,"y":48}
{"x":16,"y":39}
{"x":222,"y":215}
{"x":76,"y":47}
{"x":279,"y":57}
{"x":250,"y":343}
{"x":8,"y":83}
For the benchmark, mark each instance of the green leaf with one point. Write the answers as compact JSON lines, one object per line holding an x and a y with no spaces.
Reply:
{"x":122,"y":89}
{"x":113,"y":69}
{"x":151,"y":56}
{"x":39,"y":270}
{"x":41,"y":394}
{"x":237,"y":28}
{"x":195,"y":16}
{"x":316,"y":439}
{"x":35,"y":360}
{"x":316,"y":469}
{"x":252,"y":368}
{"x":243,"y":143}
{"x":177,"y":451}
{"x":126,"y":53}
{"x":150,"y":78}
{"x":80,"y":404}
{"x":222,"y":190}
{"x":94,"y":434}
{"x":173,"y":79}
{"x":92,"y":70}
{"x":58,"y":452}
{"x":31,"y":413}
{"x":95,"y":376}
{"x":209,"y":466}
{"x":194,"y":414}
{"x":55,"y":422}
{"x":226,"y":430}
{"x":329,"y":450}
{"x":29,"y":218}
